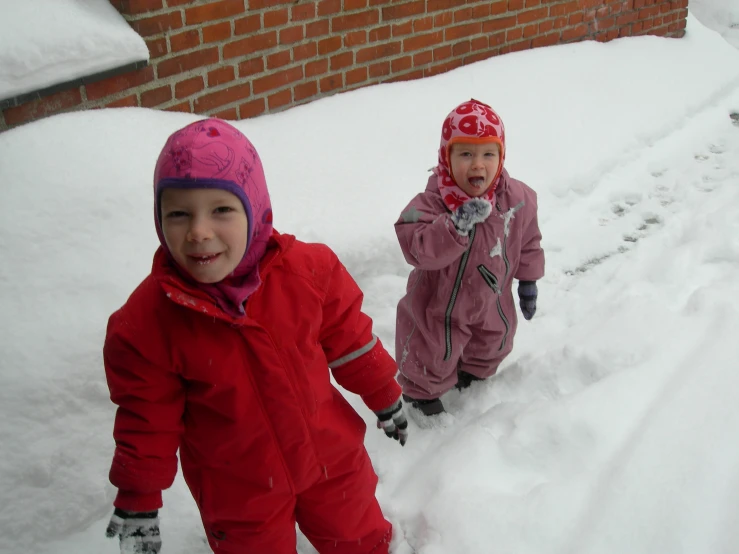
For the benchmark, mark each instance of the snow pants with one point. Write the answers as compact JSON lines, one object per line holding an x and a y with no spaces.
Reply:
{"x":339,"y":515}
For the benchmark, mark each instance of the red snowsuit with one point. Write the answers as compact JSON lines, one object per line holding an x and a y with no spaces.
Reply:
{"x":264,"y":437}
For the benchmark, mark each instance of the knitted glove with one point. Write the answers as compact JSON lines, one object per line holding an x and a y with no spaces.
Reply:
{"x":138,"y":532}
{"x":473,"y":211}
{"x":392,"y":420}
{"x":527,"y":293}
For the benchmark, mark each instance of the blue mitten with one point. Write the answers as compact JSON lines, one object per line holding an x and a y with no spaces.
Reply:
{"x":138,"y":532}
{"x":473,"y":211}
{"x":392,"y":420}
{"x":527,"y":293}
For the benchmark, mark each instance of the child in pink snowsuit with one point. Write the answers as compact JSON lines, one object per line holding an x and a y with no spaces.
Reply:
{"x":468,"y":236}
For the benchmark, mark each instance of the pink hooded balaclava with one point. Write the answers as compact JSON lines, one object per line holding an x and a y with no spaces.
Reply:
{"x":213,"y":154}
{"x":470,"y":122}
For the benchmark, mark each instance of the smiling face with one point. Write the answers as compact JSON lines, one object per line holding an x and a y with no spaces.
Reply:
{"x":206,"y":231}
{"x":474,"y":166}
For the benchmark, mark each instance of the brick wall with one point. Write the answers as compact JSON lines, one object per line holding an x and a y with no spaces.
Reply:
{"x":241,"y":58}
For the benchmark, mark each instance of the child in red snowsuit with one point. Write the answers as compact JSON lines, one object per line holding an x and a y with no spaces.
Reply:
{"x":223,"y":352}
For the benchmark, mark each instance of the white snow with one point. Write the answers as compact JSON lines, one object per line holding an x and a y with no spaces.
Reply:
{"x":612,"y":426}
{"x":719,"y":15}
{"x":47,"y":42}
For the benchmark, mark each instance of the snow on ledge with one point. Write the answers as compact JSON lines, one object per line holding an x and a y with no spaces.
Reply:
{"x":47,"y":42}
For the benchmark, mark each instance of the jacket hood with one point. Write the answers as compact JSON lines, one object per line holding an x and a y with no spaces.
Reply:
{"x":470,"y":122}
{"x":213,"y":154}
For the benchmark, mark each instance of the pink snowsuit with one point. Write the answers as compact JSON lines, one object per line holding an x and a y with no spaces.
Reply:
{"x":458,"y":312}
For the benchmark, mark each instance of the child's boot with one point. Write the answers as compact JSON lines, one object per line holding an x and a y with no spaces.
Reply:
{"x":429,"y":407}
{"x":465,"y":379}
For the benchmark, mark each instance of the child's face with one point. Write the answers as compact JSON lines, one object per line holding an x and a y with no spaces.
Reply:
{"x":474,"y":166}
{"x":205,"y":230}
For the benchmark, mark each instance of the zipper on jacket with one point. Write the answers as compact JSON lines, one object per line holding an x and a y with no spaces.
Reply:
{"x":453,"y":299}
{"x":492,"y":281}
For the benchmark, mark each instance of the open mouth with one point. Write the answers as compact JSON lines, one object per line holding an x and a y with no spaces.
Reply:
{"x":477,"y":182}
{"x":204,"y":259}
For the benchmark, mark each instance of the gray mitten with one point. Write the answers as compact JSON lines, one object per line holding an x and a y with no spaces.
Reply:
{"x":138,"y":532}
{"x":392,"y":420}
{"x":473,"y":211}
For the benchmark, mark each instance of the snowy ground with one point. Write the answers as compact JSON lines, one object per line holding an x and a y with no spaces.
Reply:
{"x":612,"y":426}
{"x":719,"y":15}
{"x":46,"y":42}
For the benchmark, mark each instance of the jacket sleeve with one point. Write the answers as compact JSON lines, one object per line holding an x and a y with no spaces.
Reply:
{"x":427,"y":235}
{"x":531,"y":264}
{"x":357,"y":358}
{"x":148,"y":422}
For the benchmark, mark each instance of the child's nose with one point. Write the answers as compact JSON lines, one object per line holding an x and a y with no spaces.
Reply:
{"x":199,"y":230}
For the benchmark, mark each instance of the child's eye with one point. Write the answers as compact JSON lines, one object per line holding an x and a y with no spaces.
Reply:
{"x":224,"y":209}
{"x":491,"y":154}
{"x":175,"y":214}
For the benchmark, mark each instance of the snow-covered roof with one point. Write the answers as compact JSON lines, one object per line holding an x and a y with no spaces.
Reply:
{"x":47,"y":42}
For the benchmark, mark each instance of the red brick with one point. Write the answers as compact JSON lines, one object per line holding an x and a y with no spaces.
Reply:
{"x":319,"y":67}
{"x":173,"y":3}
{"x":317,"y":29}
{"x":305,"y":51}
{"x":627,"y":18}
{"x":443,"y":19}
{"x":251,"y":67}
{"x":130,"y":101}
{"x":574,"y":19}
{"x":532,"y":15}
{"x":249,"y":45}
{"x":355,"y":38}
{"x":380,"y":33}
{"x":328,"y":7}
{"x":532,"y":3}
{"x":479,"y":56}
{"x":181,"y":107}
{"x":36,"y":109}
{"x":408,"y":9}
{"x":157,"y":24}
{"x":403,"y":29}
{"x":546,"y":40}
{"x":530,"y":30}
{"x":462,"y":31}
{"x":275,"y":18}
{"x":423,"y":24}
{"x":277,"y":80}
{"x":136,"y":7}
{"x":436,"y":5}
{"x":157,"y":96}
{"x":422,"y":58}
{"x":480,"y":12}
{"x":605,"y":23}
{"x":280,"y":99}
{"x":291,"y":34}
{"x":462,"y":15}
{"x":248,"y":24}
{"x":305,"y":90}
{"x":513,"y":35}
{"x":112,"y":85}
{"x":515,"y":5}
{"x":301,"y":12}
{"x":328,"y":45}
{"x":495,"y":40}
{"x":461,"y":48}
{"x":188,"y":87}
{"x":498,"y":24}
{"x":278,"y":59}
{"x":187,"y":62}
{"x":401,"y":64}
{"x":355,"y":20}
{"x":340,"y":61}
{"x":221,"y":75}
{"x":563,"y":9}
{"x":546,"y":26}
{"x":380,"y":51}
{"x":217,"y":32}
{"x":252,"y":109}
{"x":442,"y":53}
{"x":184,"y":41}
{"x":350,"y":5}
{"x":355,"y":76}
{"x":379,"y":69}
{"x":157,"y":47}
{"x":260,"y":4}
{"x":221,"y":97}
{"x":229,"y":113}
{"x":497,"y":8}
{"x":215,"y":10}
{"x":418,"y":42}
{"x":332,"y":82}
